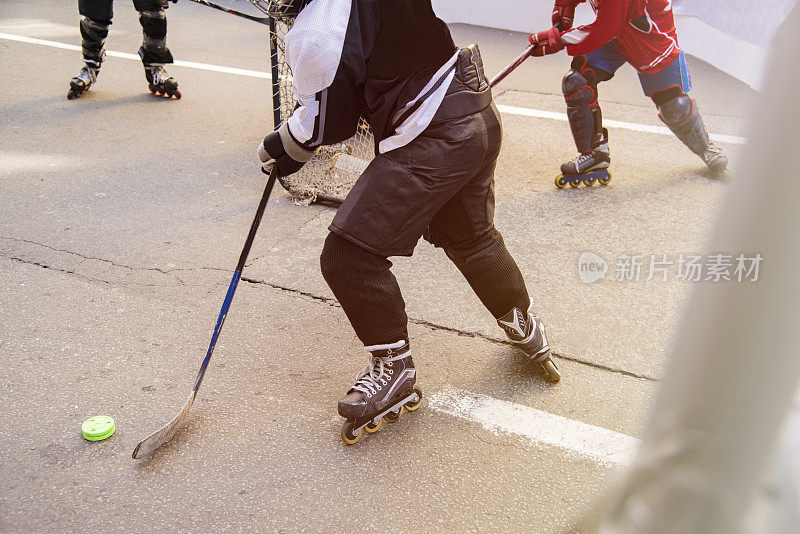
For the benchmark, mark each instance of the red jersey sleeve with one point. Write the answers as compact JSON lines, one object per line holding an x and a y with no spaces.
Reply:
{"x":611,"y":17}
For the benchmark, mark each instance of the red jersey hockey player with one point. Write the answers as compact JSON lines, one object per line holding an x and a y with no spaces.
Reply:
{"x":639,"y":32}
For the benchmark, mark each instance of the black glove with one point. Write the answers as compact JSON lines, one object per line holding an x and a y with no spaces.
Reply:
{"x":272,"y":152}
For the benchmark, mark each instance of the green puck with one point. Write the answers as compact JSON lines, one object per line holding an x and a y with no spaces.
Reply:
{"x":98,"y":428}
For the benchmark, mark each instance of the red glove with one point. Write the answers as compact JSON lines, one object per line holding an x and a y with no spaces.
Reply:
{"x":564,"y":13}
{"x":547,"y":42}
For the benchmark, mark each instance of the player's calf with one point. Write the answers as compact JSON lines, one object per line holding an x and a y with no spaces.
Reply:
{"x":682,"y":116}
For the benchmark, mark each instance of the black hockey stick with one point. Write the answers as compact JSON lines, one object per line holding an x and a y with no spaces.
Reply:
{"x":262,"y":20}
{"x":147,"y":446}
{"x":513,"y":65}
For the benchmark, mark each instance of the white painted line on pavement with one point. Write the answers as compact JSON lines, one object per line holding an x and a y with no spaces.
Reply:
{"x":601,"y":445}
{"x":661,"y":130}
{"x":124,"y":55}
{"x":509,"y":110}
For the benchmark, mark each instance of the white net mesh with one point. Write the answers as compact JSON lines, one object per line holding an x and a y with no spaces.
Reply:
{"x":329,"y":176}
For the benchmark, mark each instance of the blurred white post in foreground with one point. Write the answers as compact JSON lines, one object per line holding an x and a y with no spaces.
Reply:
{"x":735,"y":367}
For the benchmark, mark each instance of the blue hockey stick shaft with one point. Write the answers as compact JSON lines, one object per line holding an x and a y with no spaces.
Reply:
{"x":237,"y":275}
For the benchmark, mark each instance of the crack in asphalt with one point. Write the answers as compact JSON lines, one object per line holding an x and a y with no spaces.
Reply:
{"x":50,"y":267}
{"x":467,"y":333}
{"x":111,"y":263}
{"x":319,"y":298}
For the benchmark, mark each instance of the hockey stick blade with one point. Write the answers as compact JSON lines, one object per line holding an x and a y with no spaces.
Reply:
{"x":158,"y":438}
{"x":165,"y":433}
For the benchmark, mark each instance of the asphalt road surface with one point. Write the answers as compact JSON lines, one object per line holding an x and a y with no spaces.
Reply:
{"x":122,"y":215}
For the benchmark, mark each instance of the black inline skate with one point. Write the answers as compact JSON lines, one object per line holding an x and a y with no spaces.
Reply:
{"x":83,"y":81}
{"x":160,"y":82}
{"x":526,"y":331}
{"x":382,"y":391}
{"x":587,"y":168}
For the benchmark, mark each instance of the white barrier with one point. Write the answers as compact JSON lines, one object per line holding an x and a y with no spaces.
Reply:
{"x":739,"y":57}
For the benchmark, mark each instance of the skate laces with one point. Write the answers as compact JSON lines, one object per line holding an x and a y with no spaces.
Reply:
{"x":713,"y":152}
{"x":87,"y":75}
{"x":159,"y":75}
{"x":376,"y":375}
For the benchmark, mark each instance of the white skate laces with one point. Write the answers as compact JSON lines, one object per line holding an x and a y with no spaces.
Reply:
{"x":376,"y":375}
{"x":159,"y":75}
{"x":88,"y":75}
{"x":713,"y":153}
{"x":582,"y":159}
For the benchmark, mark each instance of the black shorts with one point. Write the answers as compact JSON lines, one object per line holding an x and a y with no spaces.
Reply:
{"x":440,"y":185}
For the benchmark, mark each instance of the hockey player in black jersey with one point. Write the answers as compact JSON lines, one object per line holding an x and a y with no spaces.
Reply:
{"x":437,"y":134}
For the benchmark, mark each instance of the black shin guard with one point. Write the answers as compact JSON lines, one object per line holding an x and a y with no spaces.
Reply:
{"x":491,"y":272}
{"x":579,"y":86}
{"x":154,"y":49}
{"x":682,"y":116}
{"x":93,"y":38}
{"x":367,"y":290}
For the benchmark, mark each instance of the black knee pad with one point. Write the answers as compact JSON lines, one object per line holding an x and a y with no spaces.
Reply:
{"x":150,"y":5}
{"x":583,"y":111}
{"x":154,"y":23}
{"x":367,"y":290}
{"x":490,"y":270}
{"x":93,"y":37}
{"x":154,"y":43}
{"x":573,"y":82}
{"x":682,"y":116}
{"x":676,"y":110}
{"x":476,"y":247}
{"x":99,"y":10}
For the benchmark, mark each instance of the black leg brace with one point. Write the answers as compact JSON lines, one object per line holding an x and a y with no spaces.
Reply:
{"x":154,"y":49}
{"x":93,"y":38}
{"x":491,"y":272}
{"x":367,"y":290}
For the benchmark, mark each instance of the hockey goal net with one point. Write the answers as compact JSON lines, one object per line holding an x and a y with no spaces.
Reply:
{"x":329,"y":176}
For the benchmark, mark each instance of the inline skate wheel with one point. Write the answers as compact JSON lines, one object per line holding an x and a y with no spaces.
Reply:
{"x":177,"y":95}
{"x":559,"y":183}
{"x":552,"y":370}
{"x":347,"y":433}
{"x":589,"y":182}
{"x":574,"y":185}
{"x":411,"y":406}
{"x":372,"y":427}
{"x":392,"y":417}
{"x":605,"y":180}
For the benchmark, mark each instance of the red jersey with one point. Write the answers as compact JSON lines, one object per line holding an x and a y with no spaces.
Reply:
{"x":642,"y":30}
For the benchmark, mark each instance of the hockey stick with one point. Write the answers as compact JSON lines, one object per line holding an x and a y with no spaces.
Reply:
{"x":516,"y":63}
{"x":262,"y":20}
{"x":165,"y":433}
